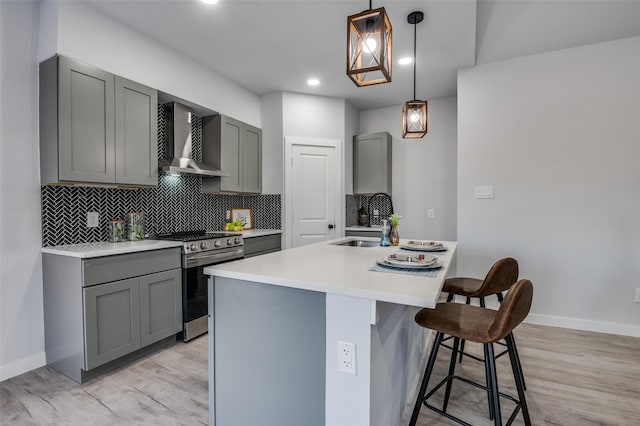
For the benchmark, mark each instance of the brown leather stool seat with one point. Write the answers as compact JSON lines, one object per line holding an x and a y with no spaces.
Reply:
{"x":502,"y":275}
{"x":479,"y":325}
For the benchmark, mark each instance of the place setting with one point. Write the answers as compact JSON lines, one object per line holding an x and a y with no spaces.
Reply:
{"x":421,"y":264}
{"x":424,"y":246}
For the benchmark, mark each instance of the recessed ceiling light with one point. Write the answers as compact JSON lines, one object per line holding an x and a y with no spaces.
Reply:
{"x":313,"y":82}
{"x":405,"y":61}
{"x":209,"y":1}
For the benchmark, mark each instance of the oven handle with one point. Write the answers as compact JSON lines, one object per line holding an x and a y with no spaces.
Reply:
{"x":207,"y":258}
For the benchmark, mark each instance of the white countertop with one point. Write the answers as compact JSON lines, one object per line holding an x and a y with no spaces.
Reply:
{"x":105,"y":248}
{"x":344,"y":270}
{"x":251,"y":233}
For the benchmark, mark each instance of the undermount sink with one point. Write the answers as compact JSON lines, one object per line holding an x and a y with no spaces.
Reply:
{"x":358,"y":243}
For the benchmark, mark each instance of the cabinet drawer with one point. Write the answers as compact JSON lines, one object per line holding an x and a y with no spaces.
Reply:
{"x":113,"y":268}
{"x":262,"y":245}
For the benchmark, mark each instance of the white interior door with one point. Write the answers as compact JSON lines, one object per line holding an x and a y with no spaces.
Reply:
{"x":313,"y":192}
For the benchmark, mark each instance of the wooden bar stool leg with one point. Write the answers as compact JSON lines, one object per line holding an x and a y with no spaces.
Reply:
{"x":493,"y":379}
{"x":425,"y":379}
{"x":517,"y":375}
{"x":452,"y":368}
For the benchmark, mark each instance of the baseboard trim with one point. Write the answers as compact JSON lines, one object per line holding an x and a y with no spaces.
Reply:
{"x":586,"y":325}
{"x":13,"y":369}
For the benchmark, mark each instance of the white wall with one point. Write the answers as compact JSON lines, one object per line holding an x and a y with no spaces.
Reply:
{"x":121,"y":50}
{"x":351,"y":128}
{"x":423,"y":170}
{"x":21,"y":315}
{"x":272,"y":144}
{"x":556,"y":134}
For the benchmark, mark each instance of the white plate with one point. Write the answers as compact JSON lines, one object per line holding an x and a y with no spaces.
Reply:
{"x":410,"y":259}
{"x":424,"y":246}
{"x":412,"y":265}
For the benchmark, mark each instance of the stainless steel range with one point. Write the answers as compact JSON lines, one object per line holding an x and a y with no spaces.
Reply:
{"x":201,"y":249}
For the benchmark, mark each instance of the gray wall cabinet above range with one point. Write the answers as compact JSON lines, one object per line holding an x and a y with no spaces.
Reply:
{"x":237,"y":148}
{"x":372,"y":163}
{"x":96,"y":127}
{"x":93,"y":318}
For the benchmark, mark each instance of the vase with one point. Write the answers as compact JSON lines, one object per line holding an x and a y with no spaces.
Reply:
{"x":363,"y":219}
{"x":394,"y":238}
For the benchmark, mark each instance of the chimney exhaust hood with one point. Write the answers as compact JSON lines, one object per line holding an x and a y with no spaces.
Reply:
{"x":179,"y":146}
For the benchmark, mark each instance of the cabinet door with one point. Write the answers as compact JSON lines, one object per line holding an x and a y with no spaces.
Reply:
{"x":252,"y":160}
{"x":86,"y":123}
{"x":372,"y":163}
{"x":136,"y":133}
{"x":231,"y":154}
{"x":111,"y":321}
{"x":160,"y":305}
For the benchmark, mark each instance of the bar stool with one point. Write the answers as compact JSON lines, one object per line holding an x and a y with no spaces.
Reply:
{"x":479,"y":325}
{"x":502,"y":275}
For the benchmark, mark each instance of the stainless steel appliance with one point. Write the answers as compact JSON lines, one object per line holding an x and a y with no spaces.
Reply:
{"x":201,"y":249}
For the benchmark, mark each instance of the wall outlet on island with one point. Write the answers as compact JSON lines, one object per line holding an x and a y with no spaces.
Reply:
{"x":93,"y":219}
{"x":347,"y":358}
{"x":638,"y":295}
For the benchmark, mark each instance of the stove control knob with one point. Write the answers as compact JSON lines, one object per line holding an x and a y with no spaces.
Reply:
{"x":230,"y":241}
{"x":236,"y":240}
{"x":217,"y":243}
{"x":193,"y":246}
{"x":203,"y":245}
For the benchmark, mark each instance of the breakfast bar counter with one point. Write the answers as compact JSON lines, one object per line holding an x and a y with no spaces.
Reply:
{"x":276,"y":322}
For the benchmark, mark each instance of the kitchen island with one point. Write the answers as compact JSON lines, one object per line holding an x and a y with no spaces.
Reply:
{"x":275,"y":324}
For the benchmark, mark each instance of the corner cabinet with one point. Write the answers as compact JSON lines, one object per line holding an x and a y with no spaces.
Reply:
{"x":237,"y":148}
{"x":95,"y":127}
{"x":372,"y":163}
{"x":99,"y":310}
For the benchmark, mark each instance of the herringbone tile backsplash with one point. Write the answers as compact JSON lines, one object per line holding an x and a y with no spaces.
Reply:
{"x":176,"y":204}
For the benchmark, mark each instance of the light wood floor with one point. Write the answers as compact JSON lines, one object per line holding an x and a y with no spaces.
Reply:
{"x":573,"y":378}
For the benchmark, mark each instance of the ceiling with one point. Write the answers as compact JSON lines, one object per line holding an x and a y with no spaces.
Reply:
{"x":269,"y":46}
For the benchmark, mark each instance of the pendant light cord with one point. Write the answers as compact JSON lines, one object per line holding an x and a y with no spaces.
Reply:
{"x":414,"y":60}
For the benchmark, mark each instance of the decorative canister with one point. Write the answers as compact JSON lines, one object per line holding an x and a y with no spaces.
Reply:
{"x":117,"y":231}
{"x":136,"y":226}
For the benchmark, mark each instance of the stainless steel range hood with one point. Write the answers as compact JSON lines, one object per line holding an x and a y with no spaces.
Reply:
{"x":179,"y":147}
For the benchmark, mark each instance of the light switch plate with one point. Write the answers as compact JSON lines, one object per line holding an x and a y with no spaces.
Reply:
{"x":431,"y":213}
{"x":93,"y":219}
{"x":484,"y":192}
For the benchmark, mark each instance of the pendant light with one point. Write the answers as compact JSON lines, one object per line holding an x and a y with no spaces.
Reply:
{"x":369,"y":47}
{"x":414,"y":113}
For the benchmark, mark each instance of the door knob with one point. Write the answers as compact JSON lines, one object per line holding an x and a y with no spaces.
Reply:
{"x":330,"y":226}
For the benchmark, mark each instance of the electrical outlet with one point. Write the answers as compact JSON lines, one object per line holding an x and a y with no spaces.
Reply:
{"x":431,"y":213}
{"x":228,"y":215}
{"x":376,"y":212}
{"x":638,"y":295}
{"x":483,"y":192}
{"x":347,"y":357}
{"x":93,"y":219}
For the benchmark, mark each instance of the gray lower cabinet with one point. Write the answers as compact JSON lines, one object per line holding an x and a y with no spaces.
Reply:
{"x":237,"y":148}
{"x":372,"y":163}
{"x":98,"y":310}
{"x":255,"y":246}
{"x":95,"y":127}
{"x":112,"y":321}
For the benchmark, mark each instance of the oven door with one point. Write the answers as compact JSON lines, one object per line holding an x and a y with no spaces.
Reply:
{"x":194,"y":289}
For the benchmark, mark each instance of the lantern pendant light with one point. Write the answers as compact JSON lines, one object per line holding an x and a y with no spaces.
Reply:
{"x":414,"y":113}
{"x":369,"y":47}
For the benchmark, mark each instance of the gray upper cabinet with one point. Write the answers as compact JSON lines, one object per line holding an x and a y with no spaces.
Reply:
{"x":95,"y":127}
{"x":136,"y":133}
{"x":372,"y":163}
{"x":237,"y":148}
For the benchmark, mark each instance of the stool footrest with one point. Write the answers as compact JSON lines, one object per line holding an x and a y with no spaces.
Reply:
{"x":476,"y":384}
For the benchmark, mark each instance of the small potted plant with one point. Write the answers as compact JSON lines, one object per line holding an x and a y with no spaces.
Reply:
{"x":363,"y":217}
{"x":394,"y":220}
